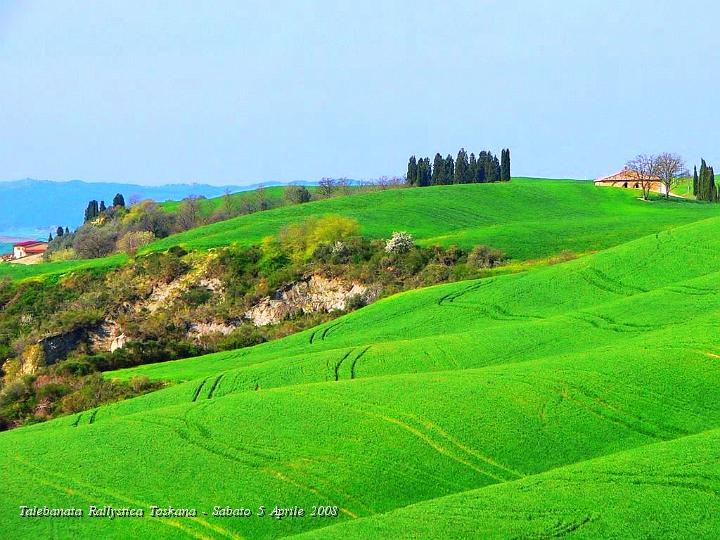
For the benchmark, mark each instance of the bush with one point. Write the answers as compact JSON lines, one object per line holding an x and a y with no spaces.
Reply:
{"x":302,"y":239}
{"x":485,"y":257}
{"x":134,"y":240}
{"x":296,"y":194}
{"x":92,"y":242}
{"x":400,"y":242}
{"x":74,"y":367}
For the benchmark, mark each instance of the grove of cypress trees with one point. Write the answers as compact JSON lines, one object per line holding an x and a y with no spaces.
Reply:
{"x":119,"y":200}
{"x":92,"y":211}
{"x":485,"y":167}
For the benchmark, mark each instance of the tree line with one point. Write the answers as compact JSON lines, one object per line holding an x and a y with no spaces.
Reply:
{"x":464,"y":169}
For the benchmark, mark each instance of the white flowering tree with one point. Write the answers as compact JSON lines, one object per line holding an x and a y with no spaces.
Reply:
{"x":400,"y":242}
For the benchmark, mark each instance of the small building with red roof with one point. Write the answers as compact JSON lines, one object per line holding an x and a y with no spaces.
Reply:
{"x":30,"y":247}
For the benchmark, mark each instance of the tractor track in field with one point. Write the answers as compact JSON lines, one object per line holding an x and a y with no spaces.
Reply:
{"x":690,"y":482}
{"x":199,"y":388}
{"x":355,"y":360}
{"x":606,"y":323}
{"x":214,"y":386}
{"x":602,"y":281}
{"x":340,"y":362}
{"x":451,"y":297}
{"x":92,"y":494}
{"x":693,"y":291}
{"x":442,"y":442}
{"x":92,"y":416}
{"x":598,"y":407}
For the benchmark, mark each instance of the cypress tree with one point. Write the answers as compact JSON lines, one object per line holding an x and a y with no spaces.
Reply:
{"x":67,"y":231}
{"x":461,"y":168}
{"x":712,"y":188}
{"x":695,"y":181}
{"x":59,"y":232}
{"x":50,"y":238}
{"x":449,"y":172}
{"x":438,"y":170}
{"x":702,"y":192}
{"x":412,"y":172}
{"x":91,"y":212}
{"x":472,"y":169}
{"x":119,"y":200}
{"x":102,"y":206}
{"x":505,"y":165}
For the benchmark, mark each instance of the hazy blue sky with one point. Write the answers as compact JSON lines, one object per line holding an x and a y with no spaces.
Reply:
{"x":244,"y":91}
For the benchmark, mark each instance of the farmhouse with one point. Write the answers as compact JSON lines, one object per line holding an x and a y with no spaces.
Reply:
{"x":629,"y":179}
{"x":31,"y":247}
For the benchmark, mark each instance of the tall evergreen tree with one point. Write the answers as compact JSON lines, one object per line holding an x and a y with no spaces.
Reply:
{"x":505,"y":165}
{"x":59,"y":232}
{"x":119,"y":200}
{"x":461,"y":168}
{"x":50,"y":238}
{"x":92,"y":211}
{"x":703,"y":186}
{"x":102,"y":206}
{"x":449,"y":172}
{"x":712,"y":188}
{"x":412,"y":171}
{"x":472,"y":168}
{"x":67,"y":231}
{"x":438,"y":170}
{"x":695,"y":181}
{"x":424,"y":172}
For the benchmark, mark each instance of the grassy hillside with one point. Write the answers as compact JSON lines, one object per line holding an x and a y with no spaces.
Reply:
{"x":208,"y":206}
{"x":527,"y":218}
{"x":580,"y":397}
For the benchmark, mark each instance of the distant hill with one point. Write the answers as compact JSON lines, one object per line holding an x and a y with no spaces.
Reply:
{"x":31,"y":204}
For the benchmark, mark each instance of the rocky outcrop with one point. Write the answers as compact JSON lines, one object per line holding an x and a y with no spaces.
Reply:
{"x":107,"y":337}
{"x":310,"y":295}
{"x":58,"y":346}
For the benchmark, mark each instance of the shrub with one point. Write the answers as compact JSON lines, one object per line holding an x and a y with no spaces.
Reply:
{"x":302,"y":239}
{"x":400,"y":242}
{"x":296,"y":194}
{"x":134,"y":240}
{"x":93,"y":242}
{"x":485,"y":257}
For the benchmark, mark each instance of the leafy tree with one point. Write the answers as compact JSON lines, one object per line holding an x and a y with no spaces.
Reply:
{"x":461,"y":168}
{"x":119,"y":200}
{"x":328,"y":185}
{"x":296,"y":194}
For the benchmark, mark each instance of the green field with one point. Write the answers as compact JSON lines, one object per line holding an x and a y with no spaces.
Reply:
{"x":528,"y":218}
{"x":580,"y":398}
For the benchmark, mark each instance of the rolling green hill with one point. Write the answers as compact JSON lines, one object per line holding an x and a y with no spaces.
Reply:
{"x":575,"y":398}
{"x":528,"y":218}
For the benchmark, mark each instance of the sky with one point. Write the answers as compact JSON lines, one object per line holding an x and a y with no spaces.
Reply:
{"x":235,"y":92}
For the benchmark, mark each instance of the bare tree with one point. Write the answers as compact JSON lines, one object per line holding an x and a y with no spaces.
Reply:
{"x":670,"y":168}
{"x":645,"y":167}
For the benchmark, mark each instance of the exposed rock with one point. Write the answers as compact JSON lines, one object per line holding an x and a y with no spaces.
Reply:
{"x":310,"y":295}
{"x":57,"y":347}
{"x":203,"y":329}
{"x":107,"y":337}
